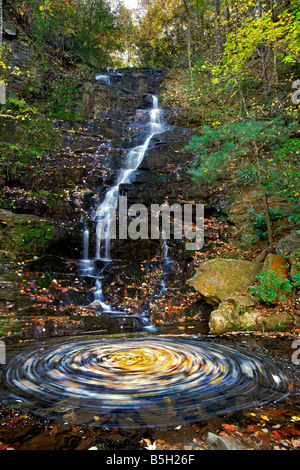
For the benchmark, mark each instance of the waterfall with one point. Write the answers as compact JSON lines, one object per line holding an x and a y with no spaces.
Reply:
{"x":166,"y":247}
{"x":116,"y":76}
{"x":86,"y":263}
{"x":166,"y":261}
{"x":103,"y":78}
{"x":109,"y":205}
{"x":99,"y":297}
{"x":86,"y":241}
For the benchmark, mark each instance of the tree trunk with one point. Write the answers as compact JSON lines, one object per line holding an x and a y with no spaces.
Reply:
{"x":243,"y":103}
{"x":217,"y":30}
{"x":261,"y":54}
{"x":275,"y":73}
{"x":189,"y":41}
{"x":227,"y":19}
{"x":201,"y":29}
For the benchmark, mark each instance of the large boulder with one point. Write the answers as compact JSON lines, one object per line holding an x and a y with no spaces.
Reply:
{"x":289,"y":247}
{"x":289,"y":244}
{"x":232,"y":317}
{"x":278,"y":264}
{"x":218,"y":279}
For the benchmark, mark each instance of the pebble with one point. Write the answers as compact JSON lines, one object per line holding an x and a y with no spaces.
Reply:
{"x":224,"y":442}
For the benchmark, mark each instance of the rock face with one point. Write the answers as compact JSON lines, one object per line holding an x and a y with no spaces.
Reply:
{"x":289,"y":247}
{"x":28,"y":235}
{"x":163,"y":174}
{"x":9,"y":30}
{"x":278,"y":264}
{"x":289,"y":244}
{"x":219,"y":279}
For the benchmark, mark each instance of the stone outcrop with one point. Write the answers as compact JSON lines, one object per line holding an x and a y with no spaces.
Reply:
{"x":9,"y":30}
{"x":230,"y":317}
{"x":222,"y":284}
{"x":278,"y":264}
{"x":289,"y":244}
{"x":219,"y":279}
{"x":289,"y":247}
{"x":25,"y":235}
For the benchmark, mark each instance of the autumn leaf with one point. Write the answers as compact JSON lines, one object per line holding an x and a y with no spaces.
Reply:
{"x":296,"y":418}
{"x":265,"y":418}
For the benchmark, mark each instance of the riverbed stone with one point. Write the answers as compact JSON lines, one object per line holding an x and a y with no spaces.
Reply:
{"x":40,"y":442}
{"x":224,"y":442}
{"x":218,"y":279}
{"x":289,"y":247}
{"x":243,"y":300}
{"x":294,"y":262}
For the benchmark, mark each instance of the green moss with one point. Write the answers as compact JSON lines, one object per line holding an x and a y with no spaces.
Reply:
{"x":32,"y":237}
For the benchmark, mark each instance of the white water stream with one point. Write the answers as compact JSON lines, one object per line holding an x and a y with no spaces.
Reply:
{"x":109,"y":206}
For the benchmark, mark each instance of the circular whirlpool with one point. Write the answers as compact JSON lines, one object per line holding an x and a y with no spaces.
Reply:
{"x":143,"y":381}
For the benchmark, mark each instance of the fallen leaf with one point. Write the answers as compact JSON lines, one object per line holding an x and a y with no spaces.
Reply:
{"x":53,"y":432}
{"x":265,"y":418}
{"x":296,"y":418}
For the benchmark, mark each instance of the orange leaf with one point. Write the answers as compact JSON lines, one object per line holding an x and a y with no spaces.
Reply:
{"x":53,"y":432}
{"x":275,"y":435}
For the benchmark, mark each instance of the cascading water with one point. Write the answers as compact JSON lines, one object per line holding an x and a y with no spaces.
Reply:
{"x":103,"y":78}
{"x":135,"y":156}
{"x":166,"y":262}
{"x":106,"y":78}
{"x":166,"y":247}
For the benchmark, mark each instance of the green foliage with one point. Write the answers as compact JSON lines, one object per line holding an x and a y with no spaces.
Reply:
{"x":296,"y":279}
{"x":227,"y":146}
{"x":271,"y":287}
{"x":25,"y":136}
{"x":75,"y":31}
{"x":229,"y":151}
{"x":61,"y":98}
{"x":18,"y":105}
{"x":260,"y":222}
{"x":281,"y":175}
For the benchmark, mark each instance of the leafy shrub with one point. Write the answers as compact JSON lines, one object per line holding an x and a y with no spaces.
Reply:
{"x":296,"y":279}
{"x":260,"y":221}
{"x":270,"y":287}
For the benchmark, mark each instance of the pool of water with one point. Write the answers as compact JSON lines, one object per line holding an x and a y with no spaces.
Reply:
{"x":170,"y":375}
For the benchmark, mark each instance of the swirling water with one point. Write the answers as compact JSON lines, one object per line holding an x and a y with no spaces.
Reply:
{"x":145,"y":380}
